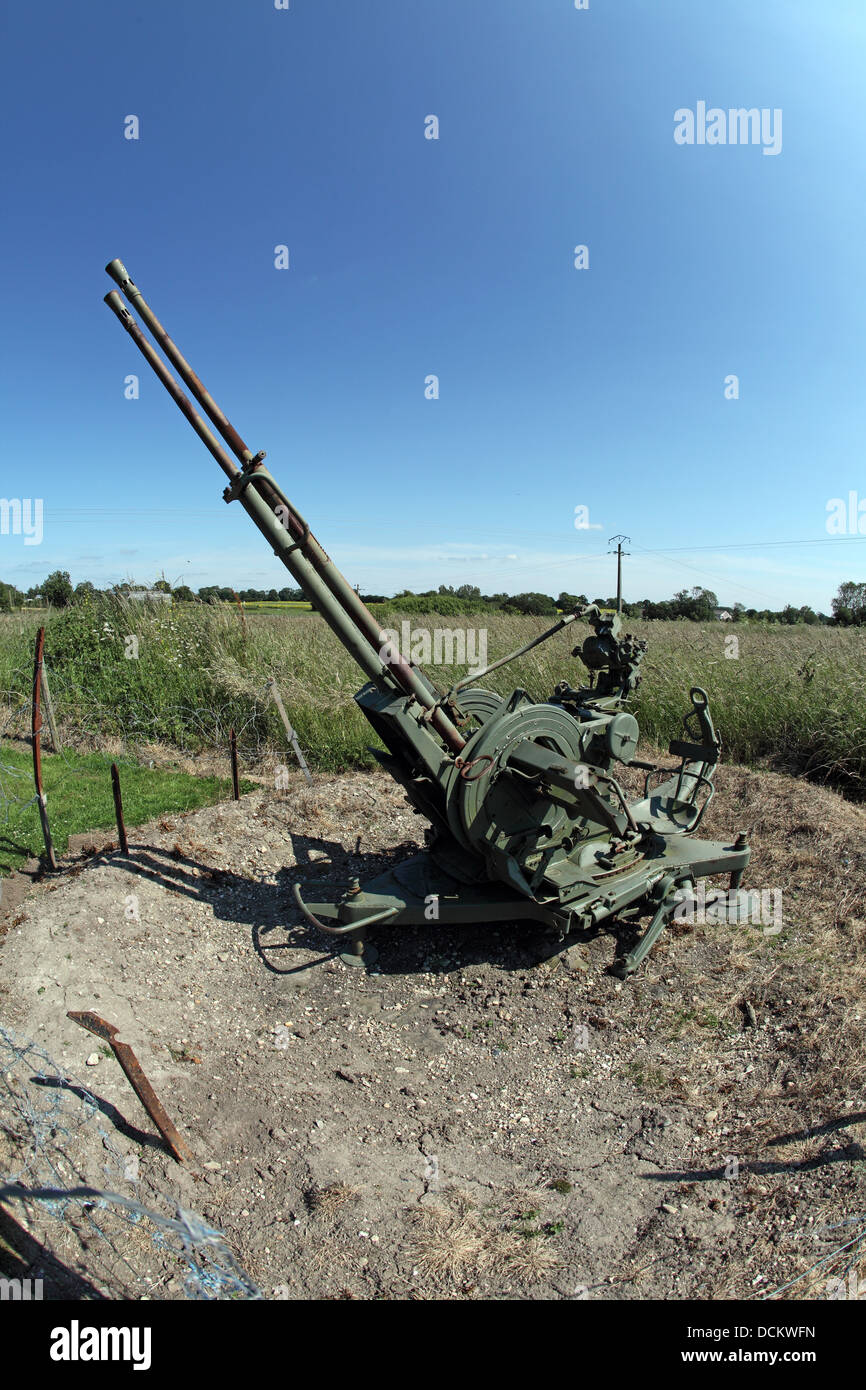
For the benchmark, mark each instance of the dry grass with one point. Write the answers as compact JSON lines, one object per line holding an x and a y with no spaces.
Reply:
{"x":792,"y":696}
{"x":329,"y":1203}
{"x":456,"y":1241}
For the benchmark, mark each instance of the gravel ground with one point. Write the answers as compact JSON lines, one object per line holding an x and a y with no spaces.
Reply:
{"x":473,"y":1117}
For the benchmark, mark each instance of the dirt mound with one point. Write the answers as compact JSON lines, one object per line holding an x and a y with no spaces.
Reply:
{"x":474,"y":1118}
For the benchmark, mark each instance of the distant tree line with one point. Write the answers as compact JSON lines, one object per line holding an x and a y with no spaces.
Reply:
{"x":692,"y":605}
{"x":58,"y":592}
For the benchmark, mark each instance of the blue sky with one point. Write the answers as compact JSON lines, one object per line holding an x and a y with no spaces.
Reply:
{"x":558,"y":387}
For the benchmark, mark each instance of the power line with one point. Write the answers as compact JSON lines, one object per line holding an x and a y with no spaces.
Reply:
{"x":704,"y":574}
{"x":749,"y":545}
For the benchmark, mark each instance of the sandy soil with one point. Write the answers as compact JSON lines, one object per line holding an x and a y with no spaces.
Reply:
{"x":473,"y":1117}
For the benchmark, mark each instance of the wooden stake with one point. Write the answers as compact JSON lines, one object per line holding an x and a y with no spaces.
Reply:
{"x":118,"y":808}
{"x":242,"y":613}
{"x":290,"y":733}
{"x":35,"y":726}
{"x":234,"y":752}
{"x":49,"y":710}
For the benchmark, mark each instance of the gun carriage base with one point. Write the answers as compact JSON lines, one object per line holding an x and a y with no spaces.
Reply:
{"x":536,"y":833}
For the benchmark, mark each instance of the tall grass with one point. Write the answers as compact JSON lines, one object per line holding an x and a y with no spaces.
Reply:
{"x":793,"y":697}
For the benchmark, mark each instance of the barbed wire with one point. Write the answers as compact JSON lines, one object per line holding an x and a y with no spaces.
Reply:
{"x":14,"y":779}
{"x":85,"y":717}
{"x":152,"y":735}
{"x":51,"y":1128}
{"x":853,"y":1247}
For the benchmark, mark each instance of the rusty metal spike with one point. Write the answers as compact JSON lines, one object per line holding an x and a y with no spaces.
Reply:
{"x":137,"y":1080}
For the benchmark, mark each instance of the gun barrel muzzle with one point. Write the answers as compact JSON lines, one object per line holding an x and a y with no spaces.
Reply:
{"x":121,"y":276}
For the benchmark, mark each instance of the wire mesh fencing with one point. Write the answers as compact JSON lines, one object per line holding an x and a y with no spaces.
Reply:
{"x":179,"y":742}
{"x":75,"y":1208}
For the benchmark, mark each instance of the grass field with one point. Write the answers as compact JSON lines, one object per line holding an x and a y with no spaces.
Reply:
{"x":79,"y":798}
{"x":274,"y":605}
{"x":791,"y":697}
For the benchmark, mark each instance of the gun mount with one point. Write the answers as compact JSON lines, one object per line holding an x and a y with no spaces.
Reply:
{"x":527,"y":818}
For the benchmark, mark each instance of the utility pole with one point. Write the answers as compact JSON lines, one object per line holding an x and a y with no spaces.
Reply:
{"x":619,"y":552}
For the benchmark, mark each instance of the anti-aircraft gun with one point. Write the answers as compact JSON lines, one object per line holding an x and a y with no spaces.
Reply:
{"x":528,"y":820}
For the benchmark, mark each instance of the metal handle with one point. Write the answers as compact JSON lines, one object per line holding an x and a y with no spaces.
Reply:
{"x":350,"y":926}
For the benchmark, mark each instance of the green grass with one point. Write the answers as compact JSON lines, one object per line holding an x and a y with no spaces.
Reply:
{"x":646,"y":1078}
{"x":791,"y":699}
{"x":79,"y":798}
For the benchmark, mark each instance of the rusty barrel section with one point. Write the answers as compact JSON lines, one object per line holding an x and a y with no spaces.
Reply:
{"x":299,"y":550}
